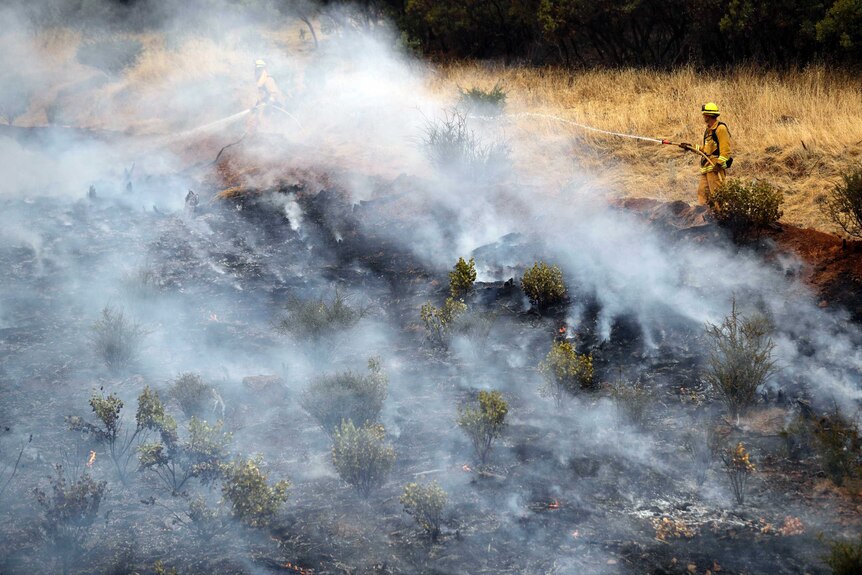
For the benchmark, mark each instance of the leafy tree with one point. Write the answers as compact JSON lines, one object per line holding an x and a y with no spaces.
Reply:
{"x":485,"y":423}
{"x":544,"y":285}
{"x":461,"y":278}
{"x":841,"y":28}
{"x":565,"y":371}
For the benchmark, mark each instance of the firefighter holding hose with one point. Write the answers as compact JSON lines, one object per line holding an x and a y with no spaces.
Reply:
{"x":715,"y":151}
{"x":268,"y":93}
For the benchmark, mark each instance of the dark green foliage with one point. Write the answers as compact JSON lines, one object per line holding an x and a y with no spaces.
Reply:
{"x":69,"y":510}
{"x":485,"y":422}
{"x":740,"y":359}
{"x":253,"y":501}
{"x":361,"y":456}
{"x":116,"y":338}
{"x":425,"y":504}
{"x":192,"y":394}
{"x":839,"y":447}
{"x":461,"y":278}
{"x":544,"y":285}
{"x":746,"y":208}
{"x":332,"y":399}
{"x":841,"y":30}
{"x":845,"y":557}
{"x":844,"y":205}
{"x":565,"y":371}
{"x":317,"y":319}
{"x":112,"y":56}
{"x":488,"y":102}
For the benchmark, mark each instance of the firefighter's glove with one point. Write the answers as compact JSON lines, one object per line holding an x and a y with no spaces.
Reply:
{"x":707,"y":168}
{"x":685,"y":146}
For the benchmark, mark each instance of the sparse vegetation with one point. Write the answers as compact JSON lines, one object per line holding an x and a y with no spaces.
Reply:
{"x":461,"y":278}
{"x":845,"y":557}
{"x":425,"y":504}
{"x":111,"y":55}
{"x":116,"y":338}
{"x":484,"y":423}
{"x":740,"y":359}
{"x":738,"y":467}
{"x":361,"y":456}
{"x":843,"y":206}
{"x":193,"y":395}
{"x":332,"y":399}
{"x":544,"y":285}
{"x":565,"y":371}
{"x":839,"y":446}
{"x":453,"y":147}
{"x":632,"y":400}
{"x":9,"y":470}
{"x":703,"y":447}
{"x":746,"y":208}
{"x":317,"y":319}
{"x":69,"y":511}
{"x":490,"y":102}
{"x":441,"y":322}
{"x":253,"y":500}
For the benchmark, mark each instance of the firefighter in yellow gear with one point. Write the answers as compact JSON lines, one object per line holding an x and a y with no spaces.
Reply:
{"x":268,"y":93}
{"x":717,"y":153}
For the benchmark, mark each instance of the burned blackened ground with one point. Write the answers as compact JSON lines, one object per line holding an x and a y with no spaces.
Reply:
{"x":571,"y":489}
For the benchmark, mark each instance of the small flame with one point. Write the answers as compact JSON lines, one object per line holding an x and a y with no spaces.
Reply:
{"x":213,"y":317}
{"x":297,"y":569}
{"x":91,"y":459}
{"x":554,"y":504}
{"x":466,"y":468}
{"x":576,"y":533}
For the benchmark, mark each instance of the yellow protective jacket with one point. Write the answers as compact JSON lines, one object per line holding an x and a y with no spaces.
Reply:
{"x":267,"y":90}
{"x":716,"y":145}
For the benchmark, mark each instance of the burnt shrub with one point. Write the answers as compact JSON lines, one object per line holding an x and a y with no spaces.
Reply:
{"x":332,"y":399}
{"x":843,"y":206}
{"x":453,"y":147}
{"x":317,"y":319}
{"x":425,"y":504}
{"x":845,"y":557}
{"x":544,"y":285}
{"x":69,"y":510}
{"x":253,"y":500}
{"x":9,"y":470}
{"x":839,"y":447}
{"x":703,"y":446}
{"x":362,"y":457}
{"x":110,"y":55}
{"x":739,"y":468}
{"x":192,"y":394}
{"x":740,"y":359}
{"x":745,"y":208}
{"x":565,"y":371}
{"x":116,"y":338}
{"x":440,"y":323}
{"x":461,"y":278}
{"x":485,"y":422}
{"x":632,"y":400}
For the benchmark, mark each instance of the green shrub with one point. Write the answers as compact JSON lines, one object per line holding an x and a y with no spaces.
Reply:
{"x":844,"y":205}
{"x":318,"y":319}
{"x":69,"y":510}
{"x":454,"y":148}
{"x":425,"y":504}
{"x":484,"y":423}
{"x":746,"y":208}
{"x":544,"y":285}
{"x":839,"y":447}
{"x":738,"y":467}
{"x":253,"y":501}
{"x":117,"y":339}
{"x":490,"y":102}
{"x":740,"y":359}
{"x":461,"y":278}
{"x":441,"y":322}
{"x":335,"y":398}
{"x":111,"y":56}
{"x":845,"y":557}
{"x":565,"y":371}
{"x":361,"y":456}
{"x":192,"y":394}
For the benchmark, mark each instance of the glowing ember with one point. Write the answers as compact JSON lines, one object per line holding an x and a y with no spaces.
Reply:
{"x":466,"y":468}
{"x":298,"y":569}
{"x":213,"y":317}
{"x":576,"y":533}
{"x":91,"y":459}
{"x":554,"y":504}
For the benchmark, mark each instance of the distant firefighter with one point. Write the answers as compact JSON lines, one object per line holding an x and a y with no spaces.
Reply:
{"x":717,"y":147}
{"x":268,"y":93}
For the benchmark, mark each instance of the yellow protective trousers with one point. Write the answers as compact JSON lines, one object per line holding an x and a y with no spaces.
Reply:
{"x":709,"y":183}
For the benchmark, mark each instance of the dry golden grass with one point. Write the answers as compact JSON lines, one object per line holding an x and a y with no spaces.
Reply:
{"x":799,"y":130}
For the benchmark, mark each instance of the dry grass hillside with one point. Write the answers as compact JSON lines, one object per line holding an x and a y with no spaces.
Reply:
{"x":799,"y":130}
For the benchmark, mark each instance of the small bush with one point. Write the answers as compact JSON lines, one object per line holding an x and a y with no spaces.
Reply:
{"x":633,"y":400}
{"x":485,"y":423}
{"x":703,"y":447}
{"x":117,"y":339}
{"x":318,"y":319}
{"x":839,"y":447}
{"x":845,"y":557}
{"x":844,"y":205}
{"x":746,"y":208}
{"x":192,"y":394}
{"x":111,"y":56}
{"x":69,"y":510}
{"x":441,"y":322}
{"x":740,"y":359}
{"x":361,"y":456}
{"x":544,"y":285}
{"x":425,"y":504}
{"x":738,"y":466}
{"x":565,"y":371}
{"x":335,"y":398}
{"x":253,"y":501}
{"x":490,"y":102}
{"x":461,"y":278}
{"x":453,"y":147}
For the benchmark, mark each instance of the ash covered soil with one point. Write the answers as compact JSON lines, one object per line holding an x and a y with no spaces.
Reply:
{"x":576,"y":488}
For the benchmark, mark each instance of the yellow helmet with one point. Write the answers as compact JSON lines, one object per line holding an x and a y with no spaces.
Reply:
{"x":259,"y":64}
{"x":710,"y":109}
